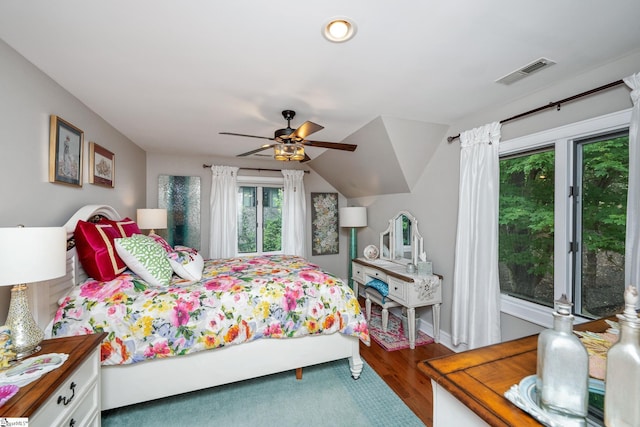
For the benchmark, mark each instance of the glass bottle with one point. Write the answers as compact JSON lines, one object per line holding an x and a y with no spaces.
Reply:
{"x":562,"y":366}
{"x":622,"y":385}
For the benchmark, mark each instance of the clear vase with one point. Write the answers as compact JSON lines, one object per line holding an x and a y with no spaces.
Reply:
{"x":622,"y":385}
{"x":562,"y":366}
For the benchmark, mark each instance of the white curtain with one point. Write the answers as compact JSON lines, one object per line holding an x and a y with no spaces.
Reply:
{"x":223,"y":236}
{"x":476,"y":288}
{"x":294,"y":213}
{"x":632,"y":245}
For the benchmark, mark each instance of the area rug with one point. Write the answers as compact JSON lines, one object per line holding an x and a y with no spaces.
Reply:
{"x":394,"y":338}
{"x":326,"y":396}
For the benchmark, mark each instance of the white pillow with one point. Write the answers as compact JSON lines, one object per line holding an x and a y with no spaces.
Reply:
{"x":186,"y":263}
{"x":145,"y":257}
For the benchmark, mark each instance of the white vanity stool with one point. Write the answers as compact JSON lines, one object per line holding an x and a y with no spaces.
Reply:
{"x":375,"y":296}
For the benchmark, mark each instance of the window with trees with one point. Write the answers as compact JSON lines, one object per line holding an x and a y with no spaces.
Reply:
{"x":259,"y":219}
{"x":562,"y":219}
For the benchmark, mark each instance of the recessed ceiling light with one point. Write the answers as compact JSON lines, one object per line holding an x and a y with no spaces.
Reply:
{"x":339,"y":30}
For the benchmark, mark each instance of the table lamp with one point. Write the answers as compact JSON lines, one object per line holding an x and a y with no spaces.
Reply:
{"x":148,"y":219}
{"x":27,"y":255}
{"x":353,"y":217}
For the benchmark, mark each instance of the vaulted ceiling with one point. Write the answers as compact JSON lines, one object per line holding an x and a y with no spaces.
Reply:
{"x":171,"y":75}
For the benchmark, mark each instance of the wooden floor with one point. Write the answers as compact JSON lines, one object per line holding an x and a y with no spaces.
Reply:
{"x":399,"y":370}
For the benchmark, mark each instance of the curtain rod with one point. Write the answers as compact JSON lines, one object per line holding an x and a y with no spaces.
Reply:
{"x":554,"y":104}
{"x":204,"y":166}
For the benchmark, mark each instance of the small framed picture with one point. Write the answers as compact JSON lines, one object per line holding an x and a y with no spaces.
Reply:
{"x":102,"y":166}
{"x":65,"y":152}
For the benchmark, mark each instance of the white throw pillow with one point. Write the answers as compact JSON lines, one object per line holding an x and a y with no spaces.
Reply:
{"x":186,"y":263}
{"x":145,"y":257}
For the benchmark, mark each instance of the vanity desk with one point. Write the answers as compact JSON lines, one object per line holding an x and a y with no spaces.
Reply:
{"x":401,"y":246}
{"x":408,"y":290}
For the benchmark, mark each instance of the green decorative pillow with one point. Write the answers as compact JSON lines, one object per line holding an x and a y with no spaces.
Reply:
{"x":145,"y":257}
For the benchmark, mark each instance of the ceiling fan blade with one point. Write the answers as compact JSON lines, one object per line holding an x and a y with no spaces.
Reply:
{"x":305,"y":129}
{"x":257,"y":150}
{"x":249,"y":136}
{"x":306,"y":158}
{"x":332,"y":145}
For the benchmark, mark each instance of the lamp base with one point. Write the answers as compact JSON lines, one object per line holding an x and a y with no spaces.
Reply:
{"x":353,"y":254}
{"x":25,"y":333}
{"x":28,"y":353}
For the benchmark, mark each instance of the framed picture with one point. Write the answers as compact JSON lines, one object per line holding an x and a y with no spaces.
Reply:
{"x":324,"y":224}
{"x":102,"y":166}
{"x":65,"y":152}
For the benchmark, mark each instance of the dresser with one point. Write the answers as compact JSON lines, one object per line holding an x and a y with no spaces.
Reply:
{"x":409,"y":290}
{"x":68,"y":395}
{"x":469,"y":387}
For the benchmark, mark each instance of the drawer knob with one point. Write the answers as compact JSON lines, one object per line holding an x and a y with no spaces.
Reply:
{"x":63,"y":400}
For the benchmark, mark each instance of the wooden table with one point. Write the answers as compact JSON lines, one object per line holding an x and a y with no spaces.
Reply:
{"x":469,"y":387}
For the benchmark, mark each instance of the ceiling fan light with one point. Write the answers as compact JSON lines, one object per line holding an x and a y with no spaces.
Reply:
{"x":286,"y":152}
{"x":339,"y":30}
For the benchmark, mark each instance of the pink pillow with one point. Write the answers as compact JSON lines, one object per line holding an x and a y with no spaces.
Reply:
{"x":96,"y":250}
{"x":126,"y":226}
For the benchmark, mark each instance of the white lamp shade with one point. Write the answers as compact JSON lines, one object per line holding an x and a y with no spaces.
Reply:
{"x":32,"y":254}
{"x":152,"y":218}
{"x":353,"y":217}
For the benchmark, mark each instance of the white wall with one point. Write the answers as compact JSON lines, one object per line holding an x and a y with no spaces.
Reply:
{"x":27,"y":99}
{"x":434,"y":199}
{"x":169,"y":164}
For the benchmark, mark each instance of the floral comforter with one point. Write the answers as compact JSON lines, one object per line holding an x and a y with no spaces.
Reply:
{"x":237,"y":300}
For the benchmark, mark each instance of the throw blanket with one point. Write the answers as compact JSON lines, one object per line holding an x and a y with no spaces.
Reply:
{"x":237,"y":300}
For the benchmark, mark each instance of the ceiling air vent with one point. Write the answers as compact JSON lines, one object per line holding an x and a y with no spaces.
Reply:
{"x":525,"y":71}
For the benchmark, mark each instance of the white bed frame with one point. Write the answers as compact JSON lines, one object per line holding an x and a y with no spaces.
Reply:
{"x":139,"y":382}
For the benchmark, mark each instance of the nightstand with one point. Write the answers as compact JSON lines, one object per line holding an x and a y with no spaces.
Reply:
{"x":67,"y":396}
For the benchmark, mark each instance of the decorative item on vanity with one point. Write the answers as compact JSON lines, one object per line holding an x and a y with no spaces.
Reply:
{"x":149,"y":219}
{"x":371,"y":252}
{"x":425,"y":268}
{"x":411,"y":268}
{"x":29,"y":254}
{"x":353,"y":217}
{"x":622,"y":385}
{"x":562,"y":366}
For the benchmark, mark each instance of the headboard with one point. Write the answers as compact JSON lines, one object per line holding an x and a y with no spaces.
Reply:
{"x":43,"y":297}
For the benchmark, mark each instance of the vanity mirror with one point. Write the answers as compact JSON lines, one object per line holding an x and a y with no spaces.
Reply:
{"x":401,"y":242}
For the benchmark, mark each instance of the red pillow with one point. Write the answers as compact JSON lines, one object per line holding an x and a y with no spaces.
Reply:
{"x":96,"y":250}
{"x":126,"y":226}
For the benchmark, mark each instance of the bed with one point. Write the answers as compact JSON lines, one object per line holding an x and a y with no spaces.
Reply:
{"x":258,"y":345}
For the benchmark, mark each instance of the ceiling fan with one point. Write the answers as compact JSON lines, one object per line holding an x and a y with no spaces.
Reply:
{"x":289,"y":143}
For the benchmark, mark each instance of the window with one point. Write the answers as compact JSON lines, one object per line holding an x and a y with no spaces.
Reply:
{"x":601,"y":203}
{"x":562,"y":219}
{"x":259,"y":219}
{"x":526,"y":226}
